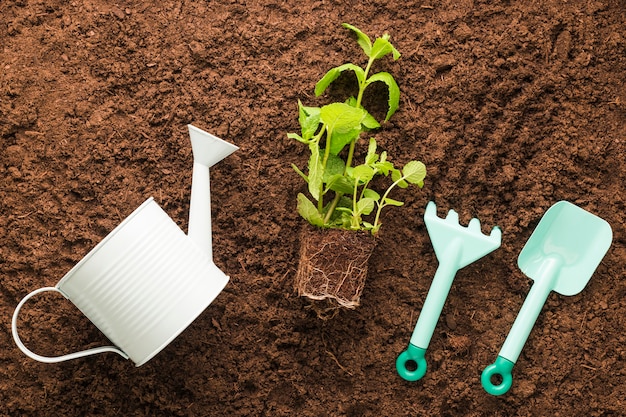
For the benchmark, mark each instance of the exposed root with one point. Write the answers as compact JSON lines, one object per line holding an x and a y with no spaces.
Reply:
{"x":333,"y":266}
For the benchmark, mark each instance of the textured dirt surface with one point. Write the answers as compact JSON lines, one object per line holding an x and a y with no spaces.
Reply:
{"x":513,"y":106}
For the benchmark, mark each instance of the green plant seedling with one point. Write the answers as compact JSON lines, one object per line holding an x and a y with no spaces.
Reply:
{"x":329,"y":129}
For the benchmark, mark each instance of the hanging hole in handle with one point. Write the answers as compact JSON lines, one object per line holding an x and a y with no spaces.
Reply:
{"x":53,"y":359}
{"x":496,"y":379}
{"x":411,"y":364}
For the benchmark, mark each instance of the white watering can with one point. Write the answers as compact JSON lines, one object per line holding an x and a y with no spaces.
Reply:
{"x":146,"y":281}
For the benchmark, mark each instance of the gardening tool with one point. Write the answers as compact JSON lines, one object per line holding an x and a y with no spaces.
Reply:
{"x":456,"y":247}
{"x":561,"y":255}
{"x":146,"y":281}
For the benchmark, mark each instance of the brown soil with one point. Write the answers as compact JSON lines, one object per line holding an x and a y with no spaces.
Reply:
{"x":511,"y":105}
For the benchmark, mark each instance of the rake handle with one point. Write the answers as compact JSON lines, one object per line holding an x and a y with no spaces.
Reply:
{"x":427,"y":320}
{"x":433,"y":305}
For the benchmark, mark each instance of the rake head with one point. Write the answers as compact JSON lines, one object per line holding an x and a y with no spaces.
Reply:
{"x":452,"y":241}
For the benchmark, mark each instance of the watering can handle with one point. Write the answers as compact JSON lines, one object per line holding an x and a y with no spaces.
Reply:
{"x":54,"y":359}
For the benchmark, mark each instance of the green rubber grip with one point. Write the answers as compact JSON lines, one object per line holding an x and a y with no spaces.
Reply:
{"x":411,"y":358}
{"x":501,"y":367}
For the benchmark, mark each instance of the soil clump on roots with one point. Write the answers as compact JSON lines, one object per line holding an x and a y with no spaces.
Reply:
{"x":333,"y":265}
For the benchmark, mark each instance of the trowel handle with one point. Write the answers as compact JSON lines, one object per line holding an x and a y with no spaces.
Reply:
{"x":501,"y":369}
{"x":514,"y":343}
{"x":411,"y":364}
{"x":413,"y":357}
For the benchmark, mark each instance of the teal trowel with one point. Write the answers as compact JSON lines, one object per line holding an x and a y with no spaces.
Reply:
{"x":561,"y":255}
{"x":456,"y":246}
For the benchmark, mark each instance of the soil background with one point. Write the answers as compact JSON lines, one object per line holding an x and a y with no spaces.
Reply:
{"x":512,"y":106}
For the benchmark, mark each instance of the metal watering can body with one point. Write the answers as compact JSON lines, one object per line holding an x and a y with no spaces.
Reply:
{"x":146,"y":281}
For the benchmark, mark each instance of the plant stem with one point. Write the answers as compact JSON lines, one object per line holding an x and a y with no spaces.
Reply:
{"x":338,"y":195}
{"x":355,"y":216}
{"x":333,"y":206}
{"x":320,"y":202}
{"x":359,"y":98}
{"x":382,"y":201}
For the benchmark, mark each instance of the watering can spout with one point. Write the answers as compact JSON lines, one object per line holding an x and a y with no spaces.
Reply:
{"x":207,"y":151}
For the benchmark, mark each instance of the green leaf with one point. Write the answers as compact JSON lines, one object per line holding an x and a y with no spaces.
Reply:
{"x":304,"y":177}
{"x":344,"y":123}
{"x":371,"y":156}
{"x":394,"y":52}
{"x":365,"y":206}
{"x":339,"y":140}
{"x":309,"y":118}
{"x":384,"y":167}
{"x":369,"y":122}
{"x":382,"y":47}
{"x":368,"y":226}
{"x":345,"y":220}
{"x":362,"y":39}
{"x":345,"y":202}
{"x":391,"y":202}
{"x":363,"y":173}
{"x":369,"y":193}
{"x":334,"y":73}
{"x":316,"y":171}
{"x":396,"y":176}
{"x":340,"y":117}
{"x":340,"y":184}
{"x":297,"y":137}
{"x":414,"y":172}
{"x":394,"y":91}
{"x":334,"y":166}
{"x":307,"y":210}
